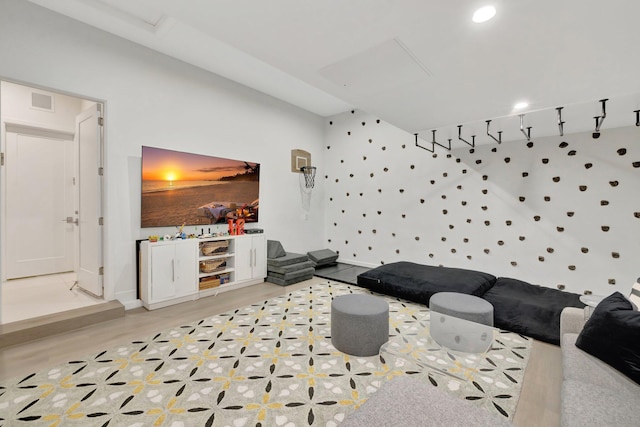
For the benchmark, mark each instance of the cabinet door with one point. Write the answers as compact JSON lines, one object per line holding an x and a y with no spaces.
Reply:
{"x":244,"y":258}
{"x":186,"y":255}
{"x":163,"y":271}
{"x":259,"y":256}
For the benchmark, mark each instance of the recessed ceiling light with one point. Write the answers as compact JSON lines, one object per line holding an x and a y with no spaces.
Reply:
{"x":484,"y":14}
{"x":520,"y":105}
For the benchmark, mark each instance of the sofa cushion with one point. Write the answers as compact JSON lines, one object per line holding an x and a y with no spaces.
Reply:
{"x":530,"y":310}
{"x":586,"y":405}
{"x":417,"y":282}
{"x":580,"y":366}
{"x":611,"y":334}
{"x":408,"y":401}
{"x":275,"y":249}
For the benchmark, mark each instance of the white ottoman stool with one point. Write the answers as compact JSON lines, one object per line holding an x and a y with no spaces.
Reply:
{"x":461,"y":322}
{"x":359,"y":324}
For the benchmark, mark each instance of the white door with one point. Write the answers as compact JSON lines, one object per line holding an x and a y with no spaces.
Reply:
{"x":89,"y":205}
{"x":39,"y":199}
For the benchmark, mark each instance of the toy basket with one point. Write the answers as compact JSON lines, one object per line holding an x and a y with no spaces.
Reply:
{"x":214,"y":248}
{"x":212,"y":265}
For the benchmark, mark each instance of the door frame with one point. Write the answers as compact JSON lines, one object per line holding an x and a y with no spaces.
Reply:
{"x":108,"y":287}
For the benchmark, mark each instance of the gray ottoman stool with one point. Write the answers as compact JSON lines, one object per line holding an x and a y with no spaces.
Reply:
{"x":461,"y":322}
{"x":359,"y":324}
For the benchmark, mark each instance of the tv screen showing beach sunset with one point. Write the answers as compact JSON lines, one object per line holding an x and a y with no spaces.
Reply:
{"x":193,"y":189}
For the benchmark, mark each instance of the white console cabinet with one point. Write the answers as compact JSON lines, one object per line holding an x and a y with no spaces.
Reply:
{"x":168,"y":274}
{"x":170,"y":271}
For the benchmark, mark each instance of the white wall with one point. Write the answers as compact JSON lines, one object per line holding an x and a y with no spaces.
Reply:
{"x":497,"y":208}
{"x":16,"y":108}
{"x":157,"y":101}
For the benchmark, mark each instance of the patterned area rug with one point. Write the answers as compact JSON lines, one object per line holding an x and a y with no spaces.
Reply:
{"x":267,"y":364}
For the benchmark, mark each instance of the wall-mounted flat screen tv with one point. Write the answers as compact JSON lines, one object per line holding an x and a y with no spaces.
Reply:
{"x":193,"y":189}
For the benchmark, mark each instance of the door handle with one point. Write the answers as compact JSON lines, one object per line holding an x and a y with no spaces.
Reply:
{"x":71,"y":220}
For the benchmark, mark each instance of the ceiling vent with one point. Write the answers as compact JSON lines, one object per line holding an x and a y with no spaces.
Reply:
{"x":42,"y":101}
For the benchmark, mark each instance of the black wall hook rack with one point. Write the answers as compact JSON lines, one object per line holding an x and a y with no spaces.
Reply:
{"x":473,"y":137}
{"x":560,"y":122}
{"x":499,"y":139}
{"x":528,"y":132}
{"x":433,"y":143}
{"x":637,"y":117}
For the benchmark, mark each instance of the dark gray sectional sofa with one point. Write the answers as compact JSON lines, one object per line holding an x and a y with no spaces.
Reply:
{"x":518,"y":306}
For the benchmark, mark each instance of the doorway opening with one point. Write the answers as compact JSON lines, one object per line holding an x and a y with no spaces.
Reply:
{"x":51,"y":172}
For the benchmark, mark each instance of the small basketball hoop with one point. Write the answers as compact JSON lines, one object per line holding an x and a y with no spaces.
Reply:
{"x":309,"y":173}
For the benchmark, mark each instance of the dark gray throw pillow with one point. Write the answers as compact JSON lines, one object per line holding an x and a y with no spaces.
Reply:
{"x":611,"y":334}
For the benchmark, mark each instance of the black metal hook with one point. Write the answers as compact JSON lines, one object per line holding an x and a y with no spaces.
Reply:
{"x":600,"y":118}
{"x":637,"y":117}
{"x":560,"y":122}
{"x":424,"y":148}
{"x":433,"y":143}
{"x":528,"y":132}
{"x":473,"y":137}
{"x":499,"y":140}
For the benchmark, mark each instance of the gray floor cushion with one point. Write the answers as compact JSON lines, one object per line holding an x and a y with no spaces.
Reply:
{"x":323,"y":257}
{"x":288,"y":259}
{"x":293,"y":274}
{"x":275,"y":249}
{"x":283,"y":282}
{"x":284,"y":269}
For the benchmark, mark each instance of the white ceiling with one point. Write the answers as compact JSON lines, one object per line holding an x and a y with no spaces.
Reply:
{"x":418,"y":64}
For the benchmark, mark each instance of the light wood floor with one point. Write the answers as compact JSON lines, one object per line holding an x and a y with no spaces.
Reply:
{"x":539,"y":403}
